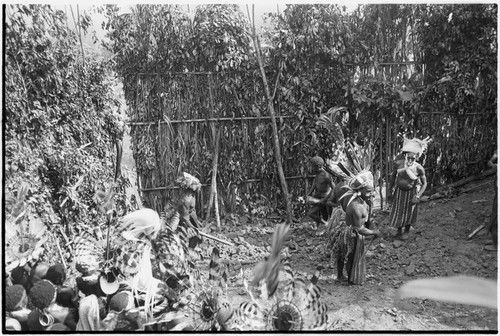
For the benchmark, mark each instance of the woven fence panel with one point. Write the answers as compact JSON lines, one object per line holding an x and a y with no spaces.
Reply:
{"x":461,"y":146}
{"x":177,"y":137}
{"x":173,"y":139}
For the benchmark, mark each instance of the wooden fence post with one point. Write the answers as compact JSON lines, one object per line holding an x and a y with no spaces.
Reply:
{"x":277,"y":150}
{"x":213,"y":189}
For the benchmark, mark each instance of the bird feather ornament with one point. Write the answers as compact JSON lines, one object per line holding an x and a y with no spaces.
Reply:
{"x":210,"y":308}
{"x":280,"y":300}
{"x":268,"y":270}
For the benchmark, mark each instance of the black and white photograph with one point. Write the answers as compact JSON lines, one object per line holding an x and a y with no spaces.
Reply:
{"x":237,"y":167}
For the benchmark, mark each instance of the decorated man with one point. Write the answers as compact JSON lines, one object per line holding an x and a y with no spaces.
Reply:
{"x":321,"y":189}
{"x":186,"y":206}
{"x":407,"y":184}
{"x":348,"y":239}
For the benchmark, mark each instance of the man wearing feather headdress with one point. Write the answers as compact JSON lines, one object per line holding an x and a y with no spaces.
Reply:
{"x":346,"y":238}
{"x":349,"y":239}
{"x":407,"y":184}
{"x":186,"y":205}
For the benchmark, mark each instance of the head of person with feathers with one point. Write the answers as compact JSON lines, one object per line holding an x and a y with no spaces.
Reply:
{"x":353,"y":169}
{"x":188,"y":182}
{"x":413,"y":149}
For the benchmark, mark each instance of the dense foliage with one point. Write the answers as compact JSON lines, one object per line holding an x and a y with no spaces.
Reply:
{"x":382,"y":66}
{"x":60,"y":116}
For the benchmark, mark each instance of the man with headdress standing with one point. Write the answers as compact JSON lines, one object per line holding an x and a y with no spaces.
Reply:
{"x":349,"y":239}
{"x":186,"y":205}
{"x":407,"y":184}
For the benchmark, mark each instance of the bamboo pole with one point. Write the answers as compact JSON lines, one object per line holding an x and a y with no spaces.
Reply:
{"x":216,"y":136}
{"x":60,"y":253}
{"x":235,"y":183}
{"x":382,"y":169}
{"x":388,"y":153}
{"x":277,"y":149}
{"x":78,"y":28}
{"x":213,"y":188}
{"x":206,"y":235}
{"x":216,"y":206}
{"x":146,"y":123}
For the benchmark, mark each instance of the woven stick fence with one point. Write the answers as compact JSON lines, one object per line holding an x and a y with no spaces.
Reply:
{"x":462,"y":143}
{"x":174,"y":120}
{"x":173,"y":127}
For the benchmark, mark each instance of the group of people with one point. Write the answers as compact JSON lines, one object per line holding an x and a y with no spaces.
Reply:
{"x":43,"y":301}
{"x":38,"y":297}
{"x":354,"y":195}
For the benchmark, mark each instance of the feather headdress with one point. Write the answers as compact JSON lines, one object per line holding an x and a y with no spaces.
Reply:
{"x":415,"y":145}
{"x":137,"y":238}
{"x":188,"y":181}
{"x":352,"y":161}
{"x":353,"y":168}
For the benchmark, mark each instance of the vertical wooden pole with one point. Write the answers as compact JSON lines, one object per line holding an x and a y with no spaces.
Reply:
{"x":388,"y":150}
{"x":382,"y":168}
{"x":214,"y":179}
{"x":270,"y":105}
{"x":213,"y":189}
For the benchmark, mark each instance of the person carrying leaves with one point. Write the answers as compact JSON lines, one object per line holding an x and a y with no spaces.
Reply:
{"x":407,"y":184}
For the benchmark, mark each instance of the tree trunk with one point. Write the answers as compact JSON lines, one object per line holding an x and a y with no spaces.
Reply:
{"x":277,"y":150}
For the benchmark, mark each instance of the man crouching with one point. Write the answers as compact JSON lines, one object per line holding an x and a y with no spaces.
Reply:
{"x":321,"y":190}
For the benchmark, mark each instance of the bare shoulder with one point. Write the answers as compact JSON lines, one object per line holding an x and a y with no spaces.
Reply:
{"x":324,"y":173}
{"x":420,"y":168}
{"x":357,"y":208}
{"x":323,"y":176}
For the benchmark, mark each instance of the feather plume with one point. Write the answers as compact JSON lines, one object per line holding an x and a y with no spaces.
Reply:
{"x":352,"y":158}
{"x":269,"y":269}
{"x":344,"y":169}
{"x":139,"y":224}
{"x":334,"y":170}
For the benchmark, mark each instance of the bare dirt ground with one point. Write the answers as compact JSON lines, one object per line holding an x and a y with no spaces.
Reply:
{"x":438,"y":246}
